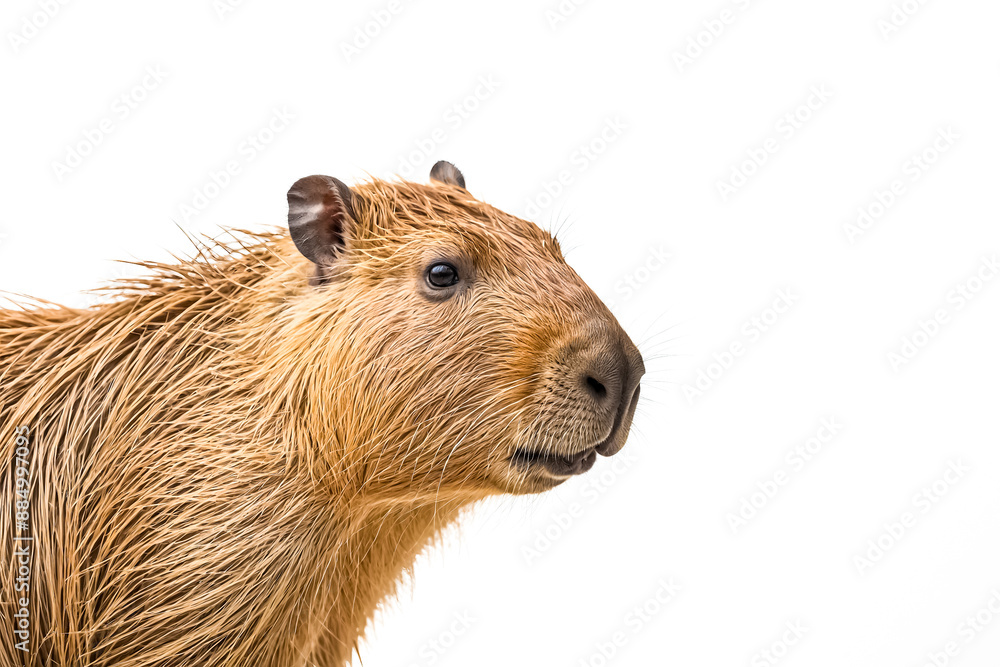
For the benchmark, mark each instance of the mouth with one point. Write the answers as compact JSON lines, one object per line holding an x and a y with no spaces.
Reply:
{"x":555,"y":464}
{"x":567,"y":465}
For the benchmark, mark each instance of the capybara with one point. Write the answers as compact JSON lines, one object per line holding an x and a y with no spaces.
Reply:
{"x":233,"y":460}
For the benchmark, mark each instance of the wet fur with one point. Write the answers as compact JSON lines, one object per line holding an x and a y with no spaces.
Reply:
{"x":233,"y":467}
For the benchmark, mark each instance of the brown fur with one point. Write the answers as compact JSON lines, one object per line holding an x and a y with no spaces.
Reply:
{"x":232,"y":467}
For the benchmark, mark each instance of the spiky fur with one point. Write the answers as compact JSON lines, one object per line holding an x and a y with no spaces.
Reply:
{"x":231,"y":467}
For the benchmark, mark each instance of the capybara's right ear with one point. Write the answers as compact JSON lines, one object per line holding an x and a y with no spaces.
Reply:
{"x":320,"y":218}
{"x":445,"y":172}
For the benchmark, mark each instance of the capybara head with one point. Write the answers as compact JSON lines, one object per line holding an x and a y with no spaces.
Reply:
{"x":453,"y":348}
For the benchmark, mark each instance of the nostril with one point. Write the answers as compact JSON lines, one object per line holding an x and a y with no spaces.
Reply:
{"x":598,"y":390}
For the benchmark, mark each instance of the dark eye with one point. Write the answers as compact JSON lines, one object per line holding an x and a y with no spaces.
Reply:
{"x":442,"y":275}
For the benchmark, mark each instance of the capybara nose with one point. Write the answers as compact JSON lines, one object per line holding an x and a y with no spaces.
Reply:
{"x":608,"y":369}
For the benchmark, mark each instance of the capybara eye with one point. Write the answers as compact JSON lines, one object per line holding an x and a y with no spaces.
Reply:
{"x":441,"y":275}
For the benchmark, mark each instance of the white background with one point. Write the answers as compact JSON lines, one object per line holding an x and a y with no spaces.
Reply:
{"x":673,"y":130}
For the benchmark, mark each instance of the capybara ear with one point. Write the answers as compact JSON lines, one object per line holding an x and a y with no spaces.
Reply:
{"x":446,"y":172}
{"x":320,"y":217}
